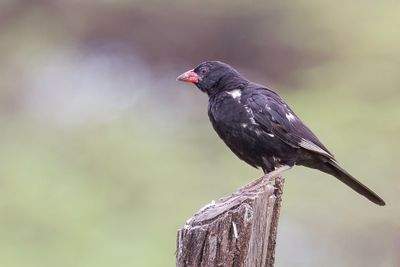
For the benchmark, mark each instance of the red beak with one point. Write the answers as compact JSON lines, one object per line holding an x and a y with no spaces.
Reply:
{"x":190,"y":77}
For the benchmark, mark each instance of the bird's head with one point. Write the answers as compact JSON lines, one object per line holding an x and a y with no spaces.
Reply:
{"x":212,"y":77}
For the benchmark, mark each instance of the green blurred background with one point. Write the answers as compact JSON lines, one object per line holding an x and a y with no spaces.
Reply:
{"x":104,"y":156}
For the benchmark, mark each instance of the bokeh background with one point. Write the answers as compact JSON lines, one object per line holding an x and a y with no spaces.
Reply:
{"x":104,"y":155}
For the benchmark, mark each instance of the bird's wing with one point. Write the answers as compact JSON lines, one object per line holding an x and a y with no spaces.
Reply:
{"x":275,"y":116}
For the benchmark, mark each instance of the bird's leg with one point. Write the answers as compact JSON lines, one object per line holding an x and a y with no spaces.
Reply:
{"x":277,"y":171}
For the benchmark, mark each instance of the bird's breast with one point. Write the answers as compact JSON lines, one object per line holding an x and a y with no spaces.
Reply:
{"x":231,"y":110}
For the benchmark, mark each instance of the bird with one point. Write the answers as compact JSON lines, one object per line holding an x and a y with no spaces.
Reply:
{"x":260,"y":128}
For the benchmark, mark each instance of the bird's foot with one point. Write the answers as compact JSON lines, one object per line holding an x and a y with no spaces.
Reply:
{"x":277,"y":171}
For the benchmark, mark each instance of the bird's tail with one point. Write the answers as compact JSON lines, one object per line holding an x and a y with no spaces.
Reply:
{"x":334,"y":169}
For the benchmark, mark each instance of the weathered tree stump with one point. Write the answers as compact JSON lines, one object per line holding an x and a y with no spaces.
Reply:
{"x":239,"y":230}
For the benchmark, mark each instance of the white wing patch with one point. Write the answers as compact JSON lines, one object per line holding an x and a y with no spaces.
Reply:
{"x":250,"y":112}
{"x":235,"y":93}
{"x":290,"y":117}
{"x":307,"y":144}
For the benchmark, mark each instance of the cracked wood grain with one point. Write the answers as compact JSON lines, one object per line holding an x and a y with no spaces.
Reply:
{"x":239,"y":230}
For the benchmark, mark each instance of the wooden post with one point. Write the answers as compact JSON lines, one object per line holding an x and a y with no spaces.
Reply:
{"x":239,"y":230}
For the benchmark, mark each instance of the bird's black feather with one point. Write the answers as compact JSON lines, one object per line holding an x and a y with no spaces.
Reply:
{"x":273,"y":114}
{"x":261,"y":129}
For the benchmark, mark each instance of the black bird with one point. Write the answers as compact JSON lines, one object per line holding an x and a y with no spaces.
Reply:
{"x":260,"y":128}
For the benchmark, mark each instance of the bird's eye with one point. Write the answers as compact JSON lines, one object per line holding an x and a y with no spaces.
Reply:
{"x":203,"y":71}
